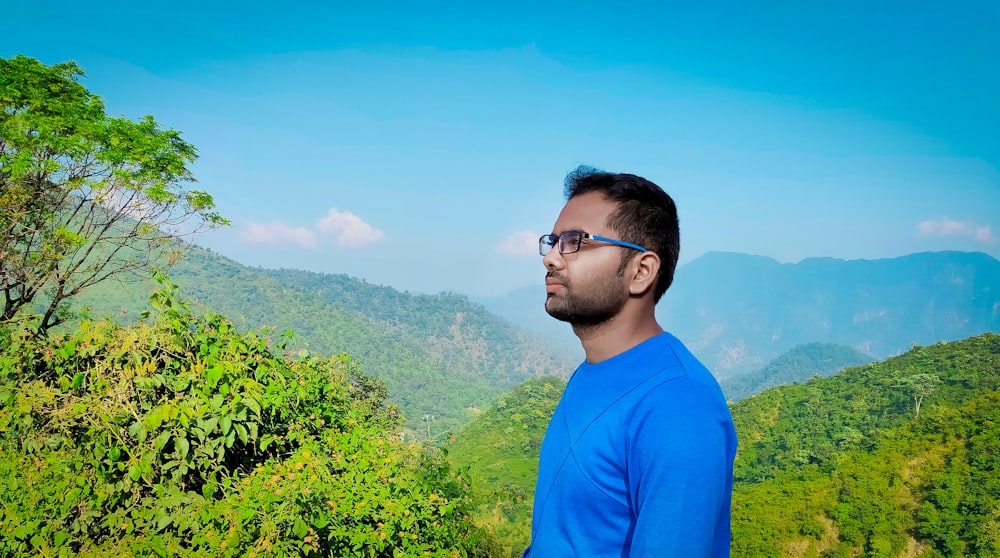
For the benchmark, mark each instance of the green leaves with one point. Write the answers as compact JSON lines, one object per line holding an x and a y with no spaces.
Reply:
{"x":138,"y":431}
{"x":161,"y":441}
{"x":187,"y":434}
{"x":182,"y":446}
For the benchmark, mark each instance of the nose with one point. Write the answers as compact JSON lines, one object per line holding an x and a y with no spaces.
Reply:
{"x":554,"y":259}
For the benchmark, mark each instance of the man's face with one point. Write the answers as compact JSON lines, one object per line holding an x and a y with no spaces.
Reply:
{"x":586,"y":287}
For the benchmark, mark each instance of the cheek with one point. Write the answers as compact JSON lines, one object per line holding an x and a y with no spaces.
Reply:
{"x":596,"y":268}
{"x":602,"y":283}
{"x":603,"y":270}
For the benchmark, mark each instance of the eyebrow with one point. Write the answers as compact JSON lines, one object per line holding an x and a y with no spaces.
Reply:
{"x":564,"y":231}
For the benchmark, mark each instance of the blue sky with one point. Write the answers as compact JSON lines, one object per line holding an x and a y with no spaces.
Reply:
{"x":423,"y":145}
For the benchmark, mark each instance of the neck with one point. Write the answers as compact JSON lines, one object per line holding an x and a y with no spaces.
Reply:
{"x":625,"y":330}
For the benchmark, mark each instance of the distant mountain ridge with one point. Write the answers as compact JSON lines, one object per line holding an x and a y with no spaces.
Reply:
{"x":737,"y":311}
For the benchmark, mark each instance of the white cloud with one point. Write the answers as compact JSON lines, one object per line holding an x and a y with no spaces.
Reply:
{"x":947,"y":227}
{"x":349,"y":230}
{"x":277,"y":233}
{"x":345,"y":228}
{"x":984,"y":234}
{"x":521,"y":243}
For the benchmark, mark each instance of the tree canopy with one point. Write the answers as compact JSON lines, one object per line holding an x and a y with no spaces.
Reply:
{"x":84,"y":196}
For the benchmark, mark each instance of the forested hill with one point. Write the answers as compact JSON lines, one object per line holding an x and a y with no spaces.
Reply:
{"x":840,"y":466}
{"x":459,"y":332}
{"x":438,"y":354}
{"x":892,"y":457}
{"x":797,"y":365}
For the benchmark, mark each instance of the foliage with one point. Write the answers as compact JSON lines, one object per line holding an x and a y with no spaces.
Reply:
{"x":455,"y":335}
{"x":185,"y":437}
{"x":84,"y":196}
{"x":919,"y":386}
{"x":960,"y":513}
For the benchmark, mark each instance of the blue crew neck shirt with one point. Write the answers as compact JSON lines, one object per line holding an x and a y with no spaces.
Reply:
{"x":637,"y":460}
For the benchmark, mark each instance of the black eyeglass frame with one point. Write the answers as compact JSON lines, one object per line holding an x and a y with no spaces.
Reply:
{"x":548,"y":241}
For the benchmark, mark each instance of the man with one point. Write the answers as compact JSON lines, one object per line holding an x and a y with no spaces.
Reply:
{"x":638,"y":457}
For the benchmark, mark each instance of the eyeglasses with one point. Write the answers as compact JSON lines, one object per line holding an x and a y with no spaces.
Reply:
{"x":570,"y":241}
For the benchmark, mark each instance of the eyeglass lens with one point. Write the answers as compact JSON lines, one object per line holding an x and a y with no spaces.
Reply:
{"x":567,"y":242}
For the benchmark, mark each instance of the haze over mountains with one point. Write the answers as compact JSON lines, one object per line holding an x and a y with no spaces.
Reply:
{"x":737,"y":312}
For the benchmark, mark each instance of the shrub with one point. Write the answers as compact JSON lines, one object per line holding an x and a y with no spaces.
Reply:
{"x":182,"y":436}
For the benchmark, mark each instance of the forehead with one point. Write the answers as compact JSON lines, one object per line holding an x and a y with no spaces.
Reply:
{"x":585,"y":212}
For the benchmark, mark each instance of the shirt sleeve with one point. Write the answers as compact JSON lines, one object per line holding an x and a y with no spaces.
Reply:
{"x":680,"y":450}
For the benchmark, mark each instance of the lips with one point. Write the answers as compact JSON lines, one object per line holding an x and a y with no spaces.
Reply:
{"x":553,"y":283}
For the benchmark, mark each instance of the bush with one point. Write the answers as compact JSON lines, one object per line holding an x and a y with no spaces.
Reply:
{"x":185,"y":437}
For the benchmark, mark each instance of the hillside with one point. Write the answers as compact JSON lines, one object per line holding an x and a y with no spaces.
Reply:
{"x":845,"y":465}
{"x":838,"y":466}
{"x":439,"y":354}
{"x":459,"y":334}
{"x":799,"y":364}
{"x":500,"y":450}
{"x":737,"y":312}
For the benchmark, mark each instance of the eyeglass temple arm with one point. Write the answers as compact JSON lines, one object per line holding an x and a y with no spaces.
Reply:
{"x":615,"y":241}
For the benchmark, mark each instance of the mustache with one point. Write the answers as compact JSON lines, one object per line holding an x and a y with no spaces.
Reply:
{"x":557,"y":276}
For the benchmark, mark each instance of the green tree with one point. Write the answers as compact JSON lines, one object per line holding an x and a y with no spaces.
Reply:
{"x":919,"y":386}
{"x":84,"y":196}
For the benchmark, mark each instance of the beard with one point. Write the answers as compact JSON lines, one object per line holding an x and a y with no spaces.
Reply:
{"x":588,"y":306}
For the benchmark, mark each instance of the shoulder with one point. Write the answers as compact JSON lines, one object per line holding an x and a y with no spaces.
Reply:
{"x":681,"y":375}
{"x":683,"y":420}
{"x":682,"y":394}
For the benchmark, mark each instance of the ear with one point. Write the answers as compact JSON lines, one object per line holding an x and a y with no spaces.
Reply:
{"x":644,"y":271}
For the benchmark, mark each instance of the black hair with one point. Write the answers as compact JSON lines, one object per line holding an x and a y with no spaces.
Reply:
{"x":646,"y":215}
